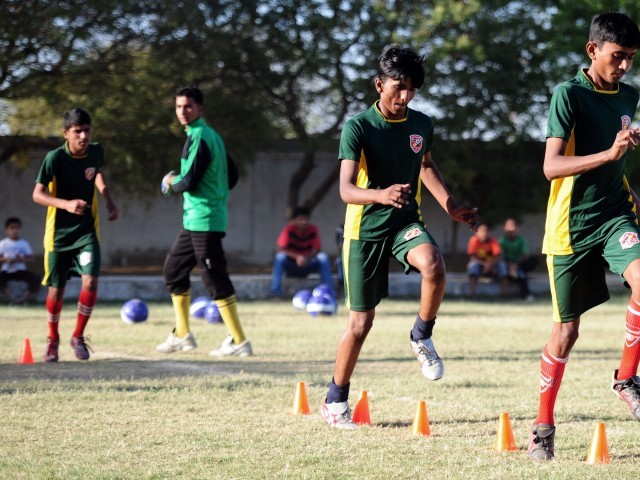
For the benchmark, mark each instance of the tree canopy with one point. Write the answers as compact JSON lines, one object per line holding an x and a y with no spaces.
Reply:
{"x":295,"y":69}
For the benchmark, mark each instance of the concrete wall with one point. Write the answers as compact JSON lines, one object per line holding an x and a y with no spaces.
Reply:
{"x":147,"y":227}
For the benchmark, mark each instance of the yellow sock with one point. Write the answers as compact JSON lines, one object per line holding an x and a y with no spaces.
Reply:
{"x":181,"y":304}
{"x":228,"y":308}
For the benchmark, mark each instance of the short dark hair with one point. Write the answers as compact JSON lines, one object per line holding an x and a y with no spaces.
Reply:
{"x":300,"y":212}
{"x":191,"y":92}
{"x":401,"y":63}
{"x":12,"y":221}
{"x":75,"y":117}
{"x":614,"y":27}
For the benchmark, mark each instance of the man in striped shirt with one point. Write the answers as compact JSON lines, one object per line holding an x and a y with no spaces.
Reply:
{"x":299,"y":252}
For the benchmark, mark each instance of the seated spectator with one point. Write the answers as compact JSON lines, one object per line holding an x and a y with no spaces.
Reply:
{"x":15,"y":252}
{"x":515,"y":252}
{"x":485,"y":260}
{"x":299,"y":255}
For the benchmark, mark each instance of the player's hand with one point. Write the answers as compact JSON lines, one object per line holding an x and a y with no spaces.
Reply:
{"x":396,"y":195}
{"x":464,"y":214}
{"x":165,"y":185}
{"x":625,"y":139}
{"x":114,"y":213}
{"x":77,"y":207}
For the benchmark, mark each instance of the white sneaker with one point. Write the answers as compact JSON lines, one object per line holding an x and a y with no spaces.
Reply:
{"x":338,"y":415}
{"x":229,"y":348}
{"x":175,"y":344}
{"x":430,"y":362}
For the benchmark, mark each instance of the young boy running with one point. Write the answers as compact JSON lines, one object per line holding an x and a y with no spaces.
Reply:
{"x":385,"y":155}
{"x":66,"y":184}
{"x":591,"y":213}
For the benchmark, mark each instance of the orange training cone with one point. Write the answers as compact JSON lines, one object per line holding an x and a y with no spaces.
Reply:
{"x":421,"y":420}
{"x":361,"y":411}
{"x":25,"y":354}
{"x":301,"y":403}
{"x":505,"y":441}
{"x":599,"y":452}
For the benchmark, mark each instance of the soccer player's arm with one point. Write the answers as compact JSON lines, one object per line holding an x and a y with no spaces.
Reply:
{"x":562,"y":120}
{"x":101,"y":185}
{"x":198,"y":163}
{"x":432,"y":179}
{"x":41,"y":194}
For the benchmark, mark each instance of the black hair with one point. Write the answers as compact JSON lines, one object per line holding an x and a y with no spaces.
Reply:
{"x":401,"y":63}
{"x":300,"y":212}
{"x":485,"y":223}
{"x":12,"y":221}
{"x":191,"y":92}
{"x":614,"y":27}
{"x":76,"y":117}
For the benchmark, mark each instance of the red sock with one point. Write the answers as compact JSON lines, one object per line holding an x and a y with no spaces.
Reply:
{"x":86,"y":302}
{"x":631,"y":351}
{"x":551,"y":371}
{"x":54,"y":307}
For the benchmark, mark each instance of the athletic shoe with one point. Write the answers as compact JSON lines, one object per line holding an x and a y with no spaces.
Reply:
{"x":541,"y":439}
{"x":229,"y":348}
{"x":338,"y":415}
{"x":81,"y":347}
{"x":430,"y":362}
{"x":175,"y":344}
{"x":629,"y":391}
{"x":51,"y":353}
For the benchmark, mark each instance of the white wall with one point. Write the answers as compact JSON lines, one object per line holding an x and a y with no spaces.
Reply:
{"x":147,"y":227}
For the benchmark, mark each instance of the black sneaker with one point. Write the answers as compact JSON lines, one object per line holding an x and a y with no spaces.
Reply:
{"x":629,"y":391}
{"x":81,"y":348}
{"x":51,"y":353}
{"x":541,"y":439}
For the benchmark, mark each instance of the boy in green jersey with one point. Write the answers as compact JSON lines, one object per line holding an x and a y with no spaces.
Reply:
{"x":592,"y":212}
{"x":204,"y":183}
{"x":66,"y":185}
{"x":385,"y":155}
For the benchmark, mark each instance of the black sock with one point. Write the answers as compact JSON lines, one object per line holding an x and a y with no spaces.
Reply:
{"x":421,"y":329}
{"x":337,"y":393}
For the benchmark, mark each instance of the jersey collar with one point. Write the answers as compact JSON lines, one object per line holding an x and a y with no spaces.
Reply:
{"x":389,"y":120}
{"x":585,"y":80}
{"x":199,"y":122}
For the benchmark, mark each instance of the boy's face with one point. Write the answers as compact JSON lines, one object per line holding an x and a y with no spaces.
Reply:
{"x":13,"y":231}
{"x":187,"y":110}
{"x":610,"y":62}
{"x":395,"y":96}
{"x":510,"y":228}
{"x":78,"y":138}
{"x":483,"y":233}
{"x":301,"y":222}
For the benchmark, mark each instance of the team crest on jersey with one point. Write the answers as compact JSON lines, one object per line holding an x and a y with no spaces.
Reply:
{"x":89,"y":173}
{"x":413,"y":233}
{"x":626,"y":122}
{"x":415,"y":141}
{"x":628,"y":240}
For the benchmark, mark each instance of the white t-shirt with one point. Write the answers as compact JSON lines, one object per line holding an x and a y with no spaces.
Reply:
{"x":12,"y":249}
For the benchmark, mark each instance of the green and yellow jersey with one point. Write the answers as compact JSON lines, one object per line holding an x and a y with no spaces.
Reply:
{"x":582,"y":207}
{"x":203,"y":180}
{"x":71,"y":178}
{"x":389,"y":152}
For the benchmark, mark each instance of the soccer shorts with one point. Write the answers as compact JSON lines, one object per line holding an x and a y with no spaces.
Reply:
{"x":366,"y":265}
{"x":578,"y":281}
{"x":60,"y":266}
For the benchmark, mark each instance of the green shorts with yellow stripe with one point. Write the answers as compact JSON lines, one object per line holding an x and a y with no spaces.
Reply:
{"x":60,"y":266}
{"x":578,"y":281}
{"x":366,"y":265}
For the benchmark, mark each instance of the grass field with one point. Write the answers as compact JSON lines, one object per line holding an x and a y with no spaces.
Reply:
{"x":132,"y":413}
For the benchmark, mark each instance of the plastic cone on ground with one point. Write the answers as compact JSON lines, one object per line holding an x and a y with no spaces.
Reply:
{"x":361,"y":414}
{"x":301,"y":403}
{"x":25,"y":355}
{"x":421,"y":420}
{"x":599,"y":452}
{"x":505,"y":441}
